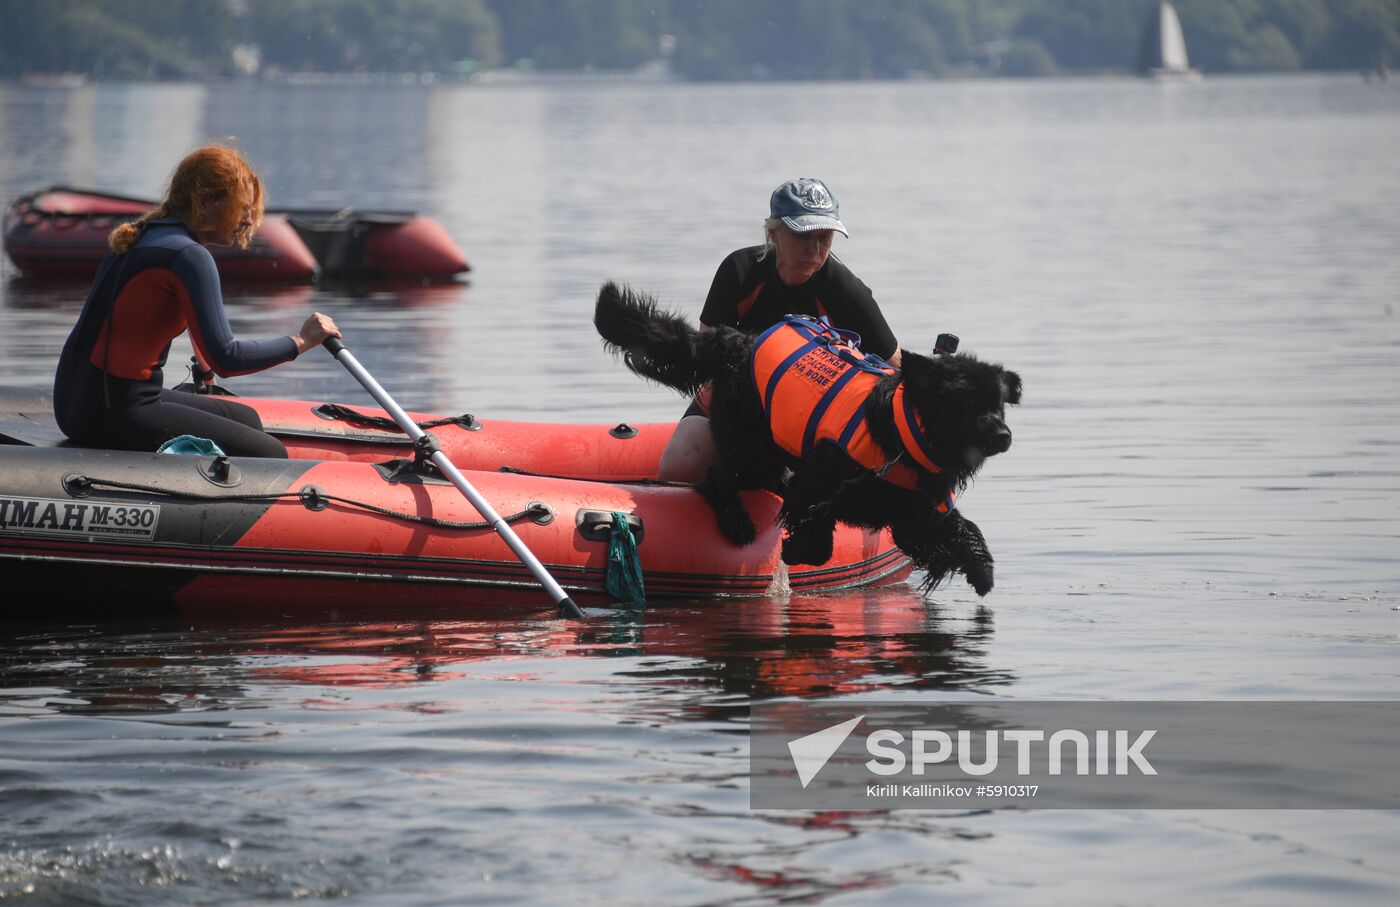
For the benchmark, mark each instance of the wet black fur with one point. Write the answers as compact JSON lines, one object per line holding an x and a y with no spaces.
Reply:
{"x":960,"y":399}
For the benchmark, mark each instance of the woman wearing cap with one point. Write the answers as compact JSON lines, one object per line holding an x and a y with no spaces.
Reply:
{"x":793,"y":272}
{"x":158,"y":281}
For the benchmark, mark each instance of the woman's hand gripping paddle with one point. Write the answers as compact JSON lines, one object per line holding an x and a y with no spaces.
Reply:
{"x":567,"y":607}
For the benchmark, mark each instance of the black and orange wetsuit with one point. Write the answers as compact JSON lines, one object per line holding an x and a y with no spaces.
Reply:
{"x":108,"y":389}
{"x":748,"y":294}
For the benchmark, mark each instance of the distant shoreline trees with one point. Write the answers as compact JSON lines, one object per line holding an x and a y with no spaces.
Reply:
{"x":686,"y":39}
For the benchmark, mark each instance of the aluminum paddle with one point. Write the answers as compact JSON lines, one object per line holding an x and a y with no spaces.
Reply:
{"x":567,"y":607}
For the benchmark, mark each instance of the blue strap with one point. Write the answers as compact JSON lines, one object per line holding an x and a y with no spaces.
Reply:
{"x":840,"y":341}
{"x":809,"y":434}
{"x":849,"y":431}
{"x":815,"y":328}
{"x":781,"y":370}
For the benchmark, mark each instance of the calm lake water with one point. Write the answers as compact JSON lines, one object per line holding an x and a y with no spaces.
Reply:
{"x":1198,"y":284}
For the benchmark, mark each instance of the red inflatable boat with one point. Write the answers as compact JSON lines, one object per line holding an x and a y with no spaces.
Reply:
{"x":60,"y":231}
{"x":351,"y":523}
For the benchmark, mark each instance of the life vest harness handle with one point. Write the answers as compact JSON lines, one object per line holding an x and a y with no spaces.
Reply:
{"x":840,"y":341}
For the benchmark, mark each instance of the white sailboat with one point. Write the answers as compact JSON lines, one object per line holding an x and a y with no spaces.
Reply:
{"x":1163,"y":51}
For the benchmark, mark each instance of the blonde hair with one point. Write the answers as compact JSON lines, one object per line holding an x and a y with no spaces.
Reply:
{"x":207,"y":174}
{"x":770,"y":227}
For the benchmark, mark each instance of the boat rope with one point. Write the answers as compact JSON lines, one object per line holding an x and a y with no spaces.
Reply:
{"x":29,"y":215}
{"x":336,"y":411}
{"x":314,"y":499}
{"x":640,"y":480}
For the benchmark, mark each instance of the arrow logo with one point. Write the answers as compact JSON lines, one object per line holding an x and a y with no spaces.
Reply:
{"x":810,"y":753}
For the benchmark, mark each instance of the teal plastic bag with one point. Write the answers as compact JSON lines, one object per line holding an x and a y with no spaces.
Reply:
{"x":189,"y":445}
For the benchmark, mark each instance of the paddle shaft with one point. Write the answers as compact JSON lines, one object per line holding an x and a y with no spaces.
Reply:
{"x":567,"y":606}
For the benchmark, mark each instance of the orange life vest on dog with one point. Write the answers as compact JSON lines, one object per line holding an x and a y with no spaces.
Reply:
{"x":813,"y":380}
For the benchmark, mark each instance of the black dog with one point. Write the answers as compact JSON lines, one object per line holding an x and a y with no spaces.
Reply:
{"x":913,"y":437}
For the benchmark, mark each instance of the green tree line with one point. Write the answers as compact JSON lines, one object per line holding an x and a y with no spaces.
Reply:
{"x":699,"y":39}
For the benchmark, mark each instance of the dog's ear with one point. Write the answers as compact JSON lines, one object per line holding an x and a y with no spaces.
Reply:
{"x":1011,"y":387}
{"x":936,"y":379}
{"x":610,"y":294}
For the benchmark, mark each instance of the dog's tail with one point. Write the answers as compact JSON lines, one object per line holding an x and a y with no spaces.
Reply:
{"x":654,"y":343}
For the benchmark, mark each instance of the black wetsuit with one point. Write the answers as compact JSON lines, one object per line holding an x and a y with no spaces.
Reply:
{"x":748,"y":294}
{"x":108,"y":389}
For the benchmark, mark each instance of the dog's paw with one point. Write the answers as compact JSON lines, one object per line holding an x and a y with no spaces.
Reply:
{"x":979,"y":576}
{"x":737,"y":526}
{"x":974,"y":559}
{"x":720,"y":490}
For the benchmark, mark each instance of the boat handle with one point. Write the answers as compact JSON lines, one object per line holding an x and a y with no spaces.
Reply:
{"x":596,"y":525}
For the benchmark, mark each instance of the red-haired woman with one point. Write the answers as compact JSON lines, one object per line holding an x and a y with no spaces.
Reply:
{"x":158,"y":281}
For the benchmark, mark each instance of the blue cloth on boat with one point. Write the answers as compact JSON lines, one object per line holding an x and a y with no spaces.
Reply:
{"x":189,"y":445}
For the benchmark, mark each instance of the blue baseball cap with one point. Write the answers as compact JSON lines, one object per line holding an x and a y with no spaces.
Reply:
{"x":805,"y":205}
